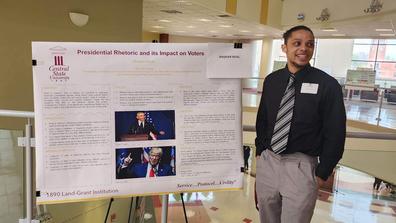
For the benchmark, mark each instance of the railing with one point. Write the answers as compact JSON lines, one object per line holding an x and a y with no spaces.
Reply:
{"x":368,"y":152}
{"x":360,"y":135}
{"x":370,"y":104}
{"x":26,"y":142}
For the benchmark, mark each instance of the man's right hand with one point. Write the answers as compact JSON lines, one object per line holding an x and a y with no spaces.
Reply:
{"x":127,"y":161}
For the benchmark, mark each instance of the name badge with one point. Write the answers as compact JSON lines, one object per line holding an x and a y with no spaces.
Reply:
{"x":309,"y":88}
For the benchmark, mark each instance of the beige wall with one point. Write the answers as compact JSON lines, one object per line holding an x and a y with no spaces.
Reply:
{"x":275,"y":13}
{"x":148,"y":37}
{"x":249,"y":11}
{"x":46,"y":20}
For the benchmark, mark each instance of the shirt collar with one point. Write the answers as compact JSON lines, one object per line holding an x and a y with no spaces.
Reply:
{"x":149,"y":166}
{"x":299,"y":75}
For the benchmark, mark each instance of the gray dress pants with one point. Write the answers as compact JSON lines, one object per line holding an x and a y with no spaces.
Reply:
{"x":286,"y":187}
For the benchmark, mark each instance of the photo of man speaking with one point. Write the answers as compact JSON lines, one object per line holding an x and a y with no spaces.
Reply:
{"x":144,"y":125}
{"x":135,"y":163}
{"x":141,"y":126}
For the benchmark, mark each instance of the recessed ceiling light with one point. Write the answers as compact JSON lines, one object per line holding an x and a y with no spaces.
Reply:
{"x":204,"y":20}
{"x":244,"y":31}
{"x":338,"y":34}
{"x":225,"y":26}
{"x":190,"y":27}
{"x":328,"y":29}
{"x":223,"y":16}
{"x":158,"y":27}
{"x":184,"y":2}
{"x":213,"y":31}
{"x":260,"y":34}
{"x":384,"y":30}
{"x":387,"y":34}
{"x":171,"y":11}
{"x":180,"y":31}
{"x":199,"y":35}
{"x":164,"y":20}
{"x":154,"y":31}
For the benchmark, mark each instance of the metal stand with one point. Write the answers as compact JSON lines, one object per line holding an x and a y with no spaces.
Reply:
{"x":132,"y":208}
{"x":184,"y":207}
{"x":108,"y":209}
{"x":28,"y":175}
{"x":28,"y":171}
{"x":164,"y":212}
{"x":380,"y":108}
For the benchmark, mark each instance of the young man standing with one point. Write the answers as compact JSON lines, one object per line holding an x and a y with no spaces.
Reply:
{"x":301,"y":117}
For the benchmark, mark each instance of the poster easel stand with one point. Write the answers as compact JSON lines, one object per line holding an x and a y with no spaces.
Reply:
{"x":164,"y":211}
{"x":184,"y":208}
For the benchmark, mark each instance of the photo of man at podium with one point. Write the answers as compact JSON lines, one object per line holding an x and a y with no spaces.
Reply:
{"x":148,"y":125}
{"x":143,"y":128}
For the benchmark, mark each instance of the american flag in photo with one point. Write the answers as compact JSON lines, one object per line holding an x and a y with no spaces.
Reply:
{"x":172,"y":162}
{"x":145,"y":154}
{"x":148,"y":118}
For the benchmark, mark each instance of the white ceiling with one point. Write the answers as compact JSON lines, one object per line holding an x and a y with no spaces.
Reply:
{"x":197,"y":20}
{"x":190,"y":18}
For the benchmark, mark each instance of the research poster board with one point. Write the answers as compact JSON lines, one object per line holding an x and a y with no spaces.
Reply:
{"x":89,"y":99}
{"x":363,"y":78}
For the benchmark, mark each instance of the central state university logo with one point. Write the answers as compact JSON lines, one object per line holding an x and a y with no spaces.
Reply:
{"x":59,"y":70}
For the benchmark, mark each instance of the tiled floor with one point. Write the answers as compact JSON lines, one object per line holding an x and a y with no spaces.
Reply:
{"x":369,"y":112}
{"x":352,"y":202}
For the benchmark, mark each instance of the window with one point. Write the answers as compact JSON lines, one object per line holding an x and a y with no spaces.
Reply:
{"x":379,"y":55}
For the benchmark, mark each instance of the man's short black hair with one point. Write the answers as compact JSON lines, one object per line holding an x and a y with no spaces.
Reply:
{"x":289,"y":32}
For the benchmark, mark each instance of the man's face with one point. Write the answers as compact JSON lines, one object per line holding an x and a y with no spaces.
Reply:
{"x":154,"y":158}
{"x":140,"y":116}
{"x":299,"y":49}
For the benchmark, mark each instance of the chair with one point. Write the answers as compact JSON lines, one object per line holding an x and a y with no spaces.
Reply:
{"x":369,"y":95}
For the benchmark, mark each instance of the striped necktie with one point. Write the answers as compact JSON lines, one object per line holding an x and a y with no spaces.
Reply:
{"x":283,"y":119}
